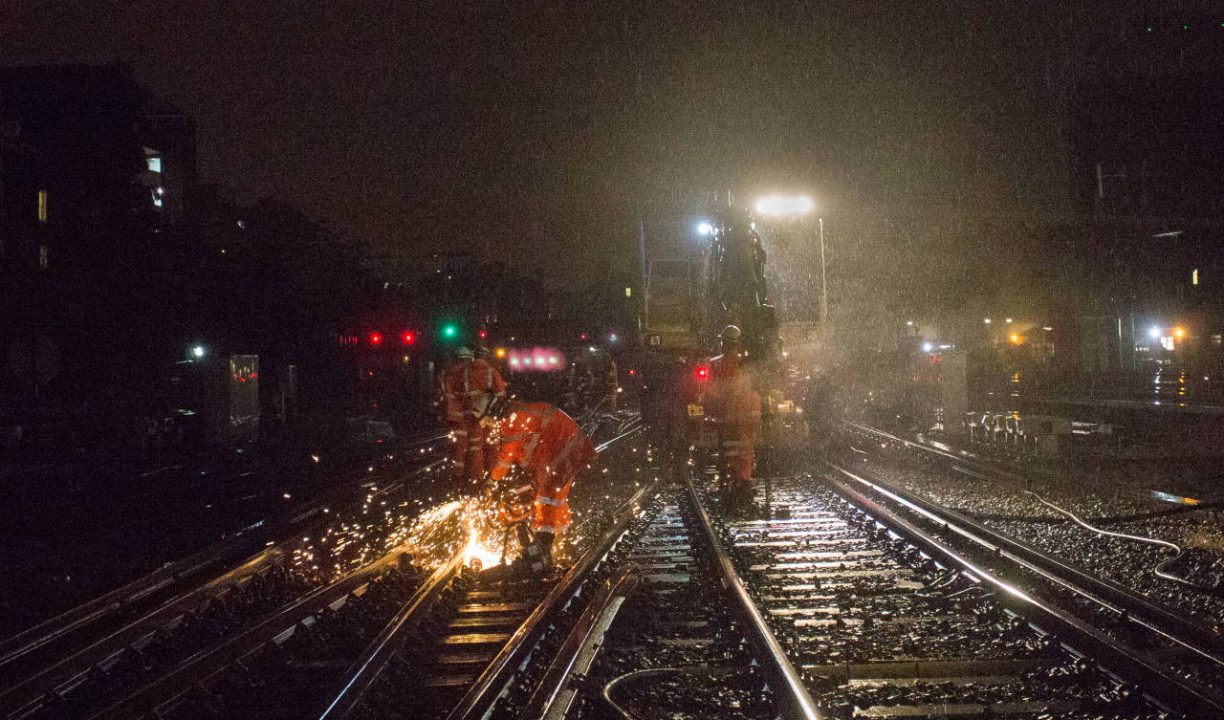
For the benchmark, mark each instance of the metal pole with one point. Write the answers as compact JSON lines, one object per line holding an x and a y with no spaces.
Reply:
{"x":824,"y":281}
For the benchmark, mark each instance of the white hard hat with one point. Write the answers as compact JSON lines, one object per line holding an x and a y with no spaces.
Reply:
{"x":731,"y":332}
{"x":464,"y":353}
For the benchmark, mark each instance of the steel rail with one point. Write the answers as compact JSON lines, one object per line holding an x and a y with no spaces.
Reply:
{"x":183,"y":676}
{"x":129,"y":598}
{"x":638,"y":427}
{"x":1094,"y":589}
{"x":30,"y":690}
{"x":791,"y":696}
{"x":363,"y":673}
{"x":1174,"y":690}
{"x":489,"y":685}
{"x":1186,"y":632}
{"x":552,"y":699}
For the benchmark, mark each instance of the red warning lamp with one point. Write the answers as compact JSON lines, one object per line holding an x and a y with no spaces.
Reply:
{"x":632,"y":372}
{"x":584,"y":336}
{"x":702,"y":372}
{"x":408,"y":337}
{"x":376,"y":338}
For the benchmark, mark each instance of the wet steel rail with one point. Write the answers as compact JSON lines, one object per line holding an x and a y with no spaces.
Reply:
{"x":1130,"y":606}
{"x":849,"y":610}
{"x":886,"y":619}
{"x":43,"y":667}
{"x":664,"y":580}
{"x":473,"y":645}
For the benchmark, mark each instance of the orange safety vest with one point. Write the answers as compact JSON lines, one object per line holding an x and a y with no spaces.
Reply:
{"x":453,"y":383}
{"x":735,"y":402}
{"x":551,"y":448}
{"x":480,"y":382}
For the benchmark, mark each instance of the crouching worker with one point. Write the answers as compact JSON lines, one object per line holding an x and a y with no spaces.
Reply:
{"x":539,"y":452}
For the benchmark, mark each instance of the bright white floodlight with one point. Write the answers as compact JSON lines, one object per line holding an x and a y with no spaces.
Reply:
{"x":705,"y":228}
{"x":784,"y":205}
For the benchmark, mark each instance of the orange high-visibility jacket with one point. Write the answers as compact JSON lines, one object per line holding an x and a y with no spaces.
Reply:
{"x":735,"y":403}
{"x":481,"y":381}
{"x":451,"y":381}
{"x":551,"y":448}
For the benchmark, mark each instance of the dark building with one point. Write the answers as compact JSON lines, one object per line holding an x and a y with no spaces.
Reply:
{"x":95,"y":184}
{"x":1147,"y":160}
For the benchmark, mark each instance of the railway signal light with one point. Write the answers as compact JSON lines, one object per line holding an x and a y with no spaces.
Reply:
{"x":483,"y":334}
{"x":408,"y":337}
{"x":376,"y":339}
{"x":702,"y":373}
{"x":450,"y":331}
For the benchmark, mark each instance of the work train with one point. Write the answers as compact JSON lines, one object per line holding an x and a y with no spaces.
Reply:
{"x":688,"y":301}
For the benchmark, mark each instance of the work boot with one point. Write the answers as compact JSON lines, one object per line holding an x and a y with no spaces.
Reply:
{"x":546,"y":542}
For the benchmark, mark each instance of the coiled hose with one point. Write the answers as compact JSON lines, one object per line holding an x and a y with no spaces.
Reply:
{"x":1159,"y":570}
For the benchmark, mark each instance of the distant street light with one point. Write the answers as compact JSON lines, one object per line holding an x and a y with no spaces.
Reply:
{"x":705,"y":228}
{"x":1154,"y":333}
{"x":198,"y":352}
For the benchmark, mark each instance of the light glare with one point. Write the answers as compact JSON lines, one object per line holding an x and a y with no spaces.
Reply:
{"x":784,"y":205}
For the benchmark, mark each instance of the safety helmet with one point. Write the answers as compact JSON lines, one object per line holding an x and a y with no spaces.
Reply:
{"x":731,"y":332}
{"x":463,"y":353}
{"x":483,"y":352}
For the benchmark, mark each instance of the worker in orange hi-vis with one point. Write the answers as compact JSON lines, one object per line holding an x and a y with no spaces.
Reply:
{"x":481,"y":385}
{"x":540,"y":451}
{"x":455,"y":399}
{"x":736,"y":407}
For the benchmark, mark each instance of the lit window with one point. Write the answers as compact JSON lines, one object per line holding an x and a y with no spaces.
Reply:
{"x":628,"y":292}
{"x":154,"y":164}
{"x":42,"y":257}
{"x":1194,"y":277}
{"x":42,"y":206}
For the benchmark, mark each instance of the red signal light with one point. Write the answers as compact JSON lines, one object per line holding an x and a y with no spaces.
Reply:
{"x":632,"y":372}
{"x":376,"y":338}
{"x":702,"y":372}
{"x":408,"y":337}
{"x":584,"y":336}
{"x":483,"y":334}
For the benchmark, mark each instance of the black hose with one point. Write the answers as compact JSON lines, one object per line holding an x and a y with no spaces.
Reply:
{"x":640,"y":674}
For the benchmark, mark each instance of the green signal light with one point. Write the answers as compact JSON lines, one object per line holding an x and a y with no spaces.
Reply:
{"x":450,"y":330}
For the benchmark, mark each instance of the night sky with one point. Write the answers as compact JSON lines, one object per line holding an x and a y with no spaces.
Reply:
{"x":542,"y":130}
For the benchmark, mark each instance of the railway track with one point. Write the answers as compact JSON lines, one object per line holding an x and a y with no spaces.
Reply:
{"x":837,"y":605}
{"x":845,"y":602}
{"x":50,"y":669}
{"x":300,"y":627}
{"x":1187,"y":645}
